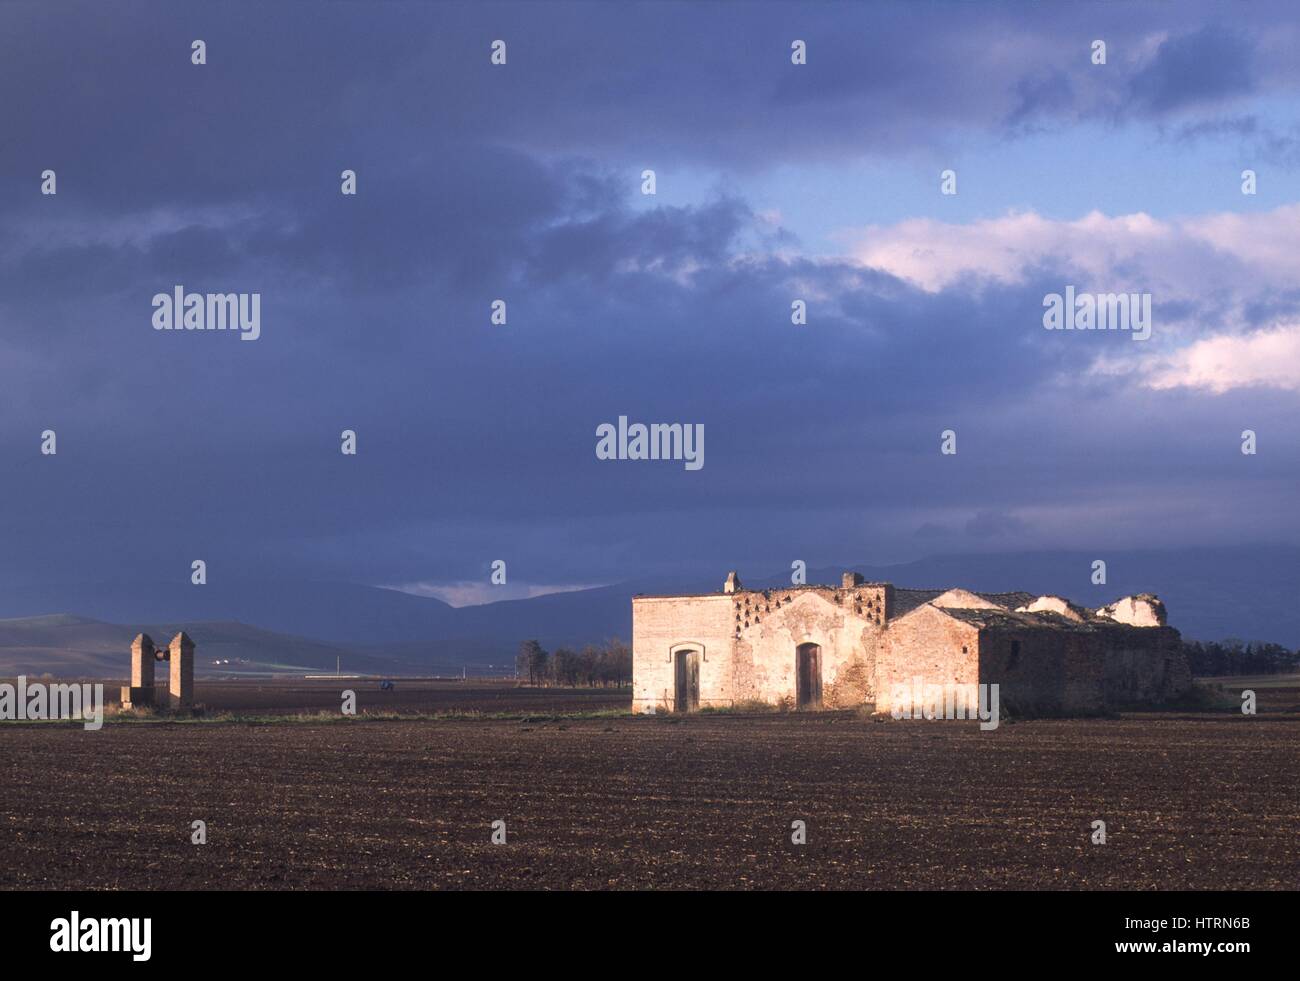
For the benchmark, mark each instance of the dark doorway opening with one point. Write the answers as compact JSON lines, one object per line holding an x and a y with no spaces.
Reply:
{"x":687,"y":688}
{"x":808,"y":676}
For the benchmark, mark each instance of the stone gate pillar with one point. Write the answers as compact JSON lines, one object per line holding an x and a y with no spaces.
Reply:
{"x":140,"y":691}
{"x":180,"y":692}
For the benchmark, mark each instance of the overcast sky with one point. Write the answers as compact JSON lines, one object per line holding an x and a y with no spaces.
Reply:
{"x":523,"y":182}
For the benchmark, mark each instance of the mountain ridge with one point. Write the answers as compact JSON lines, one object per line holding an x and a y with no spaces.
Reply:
{"x":1212,"y":593}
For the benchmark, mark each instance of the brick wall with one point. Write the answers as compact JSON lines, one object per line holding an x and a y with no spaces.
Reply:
{"x":926,"y":643}
{"x":1142,"y":665}
{"x":661,"y":624}
{"x":1099,"y":669}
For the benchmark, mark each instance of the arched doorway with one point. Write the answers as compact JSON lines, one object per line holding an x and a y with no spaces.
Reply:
{"x":808,"y":676}
{"x":686,"y":690}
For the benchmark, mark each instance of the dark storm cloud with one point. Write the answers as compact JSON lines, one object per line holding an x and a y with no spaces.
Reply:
{"x":1203,"y":66}
{"x":108,"y":97}
{"x":477,"y":441}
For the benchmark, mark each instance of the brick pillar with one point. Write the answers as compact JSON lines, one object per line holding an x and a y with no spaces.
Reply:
{"x":180,"y":693}
{"x":142,"y":660}
{"x":140,"y":691}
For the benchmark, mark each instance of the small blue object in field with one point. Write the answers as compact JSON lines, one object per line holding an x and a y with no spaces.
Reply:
{"x":386,"y":686}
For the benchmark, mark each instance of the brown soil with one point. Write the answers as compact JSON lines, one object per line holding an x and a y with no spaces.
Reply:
{"x":1189,"y":800}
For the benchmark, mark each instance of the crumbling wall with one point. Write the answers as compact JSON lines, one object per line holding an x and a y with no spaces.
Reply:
{"x":1142,"y":610}
{"x":1058,"y":605}
{"x":769,"y":626}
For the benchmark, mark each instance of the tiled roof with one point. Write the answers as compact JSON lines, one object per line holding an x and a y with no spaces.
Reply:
{"x":907,"y":600}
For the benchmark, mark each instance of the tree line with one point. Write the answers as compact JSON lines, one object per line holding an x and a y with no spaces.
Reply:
{"x":608,"y":664}
{"x":1233,"y":657}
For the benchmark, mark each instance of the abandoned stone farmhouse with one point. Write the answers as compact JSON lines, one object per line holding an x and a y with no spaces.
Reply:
{"x":823,"y":646}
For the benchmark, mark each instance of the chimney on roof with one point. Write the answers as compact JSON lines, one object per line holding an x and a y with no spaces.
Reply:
{"x":733,"y":582}
{"x":850,"y":579}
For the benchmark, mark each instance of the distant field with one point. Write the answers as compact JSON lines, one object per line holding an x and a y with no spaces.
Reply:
{"x":1191,"y":800}
{"x":1236,"y":683}
{"x":421,"y":696}
{"x":414,"y":696}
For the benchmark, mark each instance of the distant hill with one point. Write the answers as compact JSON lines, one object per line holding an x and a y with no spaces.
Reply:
{"x":382,"y":623}
{"x":1246,"y":592}
{"x":74,"y":646}
{"x":339,"y":613}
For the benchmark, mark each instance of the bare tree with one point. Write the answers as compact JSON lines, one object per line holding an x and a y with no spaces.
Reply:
{"x":618,"y":659}
{"x":564,"y":667}
{"x":531,"y":661}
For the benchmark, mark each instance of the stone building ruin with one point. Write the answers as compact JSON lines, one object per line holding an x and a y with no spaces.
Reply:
{"x":852,"y":645}
{"x":180,"y":683}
